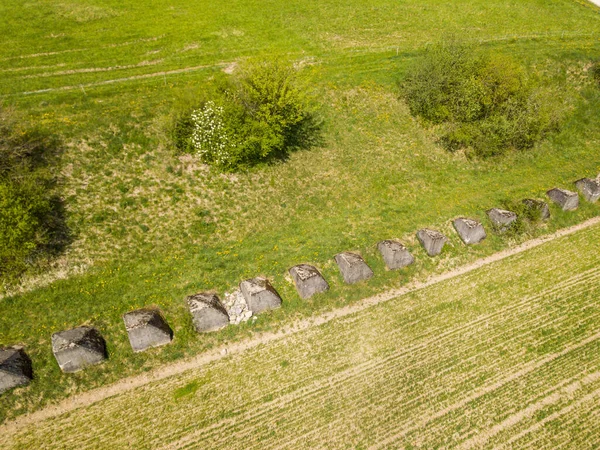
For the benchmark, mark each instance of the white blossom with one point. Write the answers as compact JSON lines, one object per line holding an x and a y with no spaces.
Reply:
{"x":209,"y":136}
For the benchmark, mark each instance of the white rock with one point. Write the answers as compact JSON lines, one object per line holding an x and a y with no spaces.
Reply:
{"x":236,"y":307}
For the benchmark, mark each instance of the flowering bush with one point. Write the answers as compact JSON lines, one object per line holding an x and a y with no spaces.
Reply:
{"x":258,"y":114}
{"x":210,"y":138}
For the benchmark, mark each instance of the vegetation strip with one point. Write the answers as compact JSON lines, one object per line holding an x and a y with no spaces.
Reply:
{"x":217,"y":354}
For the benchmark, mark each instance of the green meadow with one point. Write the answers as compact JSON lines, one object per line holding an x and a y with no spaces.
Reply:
{"x":150,"y":227}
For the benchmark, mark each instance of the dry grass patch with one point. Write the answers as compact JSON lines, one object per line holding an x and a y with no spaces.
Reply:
{"x":83,"y":13}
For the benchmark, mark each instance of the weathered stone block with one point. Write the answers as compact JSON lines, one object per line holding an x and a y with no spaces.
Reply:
{"x":432,"y":241}
{"x":501,"y":218}
{"x":395,"y":254}
{"x":260,"y":295}
{"x":353,"y":267}
{"x":469,"y":230}
{"x":146,"y":328}
{"x":308,"y":280}
{"x":208,"y":313}
{"x":537,"y":208}
{"x":567,"y":200}
{"x":15,"y":368}
{"x":590,"y":189}
{"x":78,"y":348}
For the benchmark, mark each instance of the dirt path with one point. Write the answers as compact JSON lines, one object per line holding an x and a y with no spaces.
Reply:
{"x":167,"y":371}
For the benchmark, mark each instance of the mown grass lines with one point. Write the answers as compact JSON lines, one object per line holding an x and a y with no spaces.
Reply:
{"x":520,"y":396}
{"x":138,"y":210}
{"x":574,"y":426}
{"x":572,"y":407}
{"x":192,"y":31}
{"x":372,"y":406}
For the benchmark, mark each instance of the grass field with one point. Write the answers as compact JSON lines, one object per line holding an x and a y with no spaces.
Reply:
{"x":505,"y":356}
{"x":54,"y":44}
{"x":151,"y":227}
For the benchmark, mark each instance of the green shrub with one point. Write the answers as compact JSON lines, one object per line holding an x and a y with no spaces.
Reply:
{"x":528,"y":219}
{"x":180,"y":131}
{"x":258,"y":114}
{"x":23,"y":209}
{"x":481,"y":102}
{"x":31,"y":217}
{"x":441,"y":86}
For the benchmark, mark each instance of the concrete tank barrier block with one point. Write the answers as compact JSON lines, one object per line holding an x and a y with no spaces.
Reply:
{"x":469,"y":230}
{"x":260,"y":295}
{"x":78,"y":348}
{"x":15,"y":368}
{"x":208,"y":313}
{"x":395,"y":254}
{"x":590,"y":189}
{"x":567,"y":200}
{"x":501,"y":218}
{"x":308,"y":280}
{"x":537,"y":208}
{"x":353,"y":267}
{"x":432,"y":241}
{"x":146,"y":328}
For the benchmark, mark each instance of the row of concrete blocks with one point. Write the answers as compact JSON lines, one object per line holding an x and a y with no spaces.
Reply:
{"x":84,"y":346}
